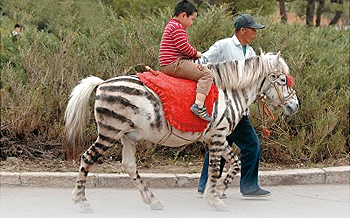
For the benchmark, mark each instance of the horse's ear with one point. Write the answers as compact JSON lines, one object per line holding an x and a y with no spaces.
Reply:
{"x":278,"y":55}
{"x":261,"y":51}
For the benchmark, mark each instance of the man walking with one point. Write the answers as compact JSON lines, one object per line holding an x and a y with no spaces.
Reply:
{"x":244,"y":136}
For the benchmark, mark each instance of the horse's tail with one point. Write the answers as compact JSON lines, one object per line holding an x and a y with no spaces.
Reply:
{"x":76,"y":108}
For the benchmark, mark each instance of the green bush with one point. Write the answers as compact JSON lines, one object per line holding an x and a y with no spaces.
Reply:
{"x":319,"y":60}
{"x":39,"y":69}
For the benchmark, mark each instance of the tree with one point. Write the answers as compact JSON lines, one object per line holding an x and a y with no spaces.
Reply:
{"x":336,"y":17}
{"x":283,"y":12}
{"x":310,"y":12}
{"x":338,"y":13}
{"x":319,"y":12}
{"x":320,"y":9}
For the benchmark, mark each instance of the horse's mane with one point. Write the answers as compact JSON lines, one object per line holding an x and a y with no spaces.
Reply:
{"x":239,"y":74}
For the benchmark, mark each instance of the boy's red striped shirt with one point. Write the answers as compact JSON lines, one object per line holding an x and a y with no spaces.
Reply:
{"x":174,"y":44}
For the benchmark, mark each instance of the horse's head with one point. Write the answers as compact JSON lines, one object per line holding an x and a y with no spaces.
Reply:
{"x":278,"y":85}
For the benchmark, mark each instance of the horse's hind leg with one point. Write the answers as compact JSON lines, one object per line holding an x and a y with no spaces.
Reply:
{"x":87,"y":160}
{"x":129,"y":163}
{"x":234,"y":166}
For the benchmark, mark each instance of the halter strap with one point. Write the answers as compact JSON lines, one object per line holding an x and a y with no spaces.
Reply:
{"x":265,"y":111}
{"x":265,"y":114}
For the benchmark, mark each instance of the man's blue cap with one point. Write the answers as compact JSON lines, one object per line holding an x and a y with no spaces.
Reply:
{"x":246,"y":20}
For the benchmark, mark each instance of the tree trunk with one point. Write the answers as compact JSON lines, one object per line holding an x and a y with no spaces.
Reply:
{"x":336,"y":17}
{"x":319,"y":12}
{"x":310,"y":12}
{"x":282,"y":11}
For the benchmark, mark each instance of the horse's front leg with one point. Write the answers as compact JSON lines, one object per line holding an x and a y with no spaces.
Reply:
{"x":211,"y":194}
{"x":234,"y":167}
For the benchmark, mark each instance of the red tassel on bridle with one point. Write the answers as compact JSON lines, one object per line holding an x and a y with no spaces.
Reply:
{"x":290,"y":81}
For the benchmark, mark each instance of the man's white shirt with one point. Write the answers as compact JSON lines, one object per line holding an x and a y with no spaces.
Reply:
{"x":224,"y":50}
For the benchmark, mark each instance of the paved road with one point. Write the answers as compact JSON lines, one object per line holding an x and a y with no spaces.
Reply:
{"x":299,"y":201}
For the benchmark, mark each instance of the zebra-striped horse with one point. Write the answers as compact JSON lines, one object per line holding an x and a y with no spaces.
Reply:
{"x":125,"y":109}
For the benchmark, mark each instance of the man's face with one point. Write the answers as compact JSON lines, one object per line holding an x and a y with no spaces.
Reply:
{"x":248,"y":35}
{"x":18,"y":29}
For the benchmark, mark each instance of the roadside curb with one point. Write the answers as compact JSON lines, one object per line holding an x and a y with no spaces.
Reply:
{"x":329,"y":175}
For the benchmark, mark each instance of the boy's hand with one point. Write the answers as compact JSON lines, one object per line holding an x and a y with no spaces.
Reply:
{"x":151,"y":70}
{"x":198,"y":55}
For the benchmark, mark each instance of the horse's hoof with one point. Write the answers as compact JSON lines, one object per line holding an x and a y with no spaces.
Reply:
{"x":86,"y":208}
{"x":75,"y":200}
{"x":221,"y":207}
{"x":157,"y":205}
{"x":215,"y":203}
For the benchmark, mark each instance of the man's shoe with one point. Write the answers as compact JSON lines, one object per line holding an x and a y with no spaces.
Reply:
{"x":223,"y":196}
{"x":258,"y":193}
{"x":201,"y":112}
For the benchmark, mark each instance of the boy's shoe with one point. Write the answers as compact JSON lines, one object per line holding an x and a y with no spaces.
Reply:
{"x":201,"y":112}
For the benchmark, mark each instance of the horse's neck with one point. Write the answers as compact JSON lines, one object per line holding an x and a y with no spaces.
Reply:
{"x":240,"y":99}
{"x":237,"y":74}
{"x":253,"y":91}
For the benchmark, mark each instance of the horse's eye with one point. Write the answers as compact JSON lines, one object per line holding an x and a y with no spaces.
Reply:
{"x":273,"y":76}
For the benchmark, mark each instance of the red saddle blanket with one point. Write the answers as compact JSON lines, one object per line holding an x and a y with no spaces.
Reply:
{"x":177,"y":96}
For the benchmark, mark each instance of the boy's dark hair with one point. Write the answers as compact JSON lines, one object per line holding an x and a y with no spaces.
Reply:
{"x":185,"y":6}
{"x":17,"y":25}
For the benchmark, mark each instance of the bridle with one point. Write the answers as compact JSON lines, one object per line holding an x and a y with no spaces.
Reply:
{"x":265,"y":114}
{"x":278,"y":88}
{"x":264,"y":110}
